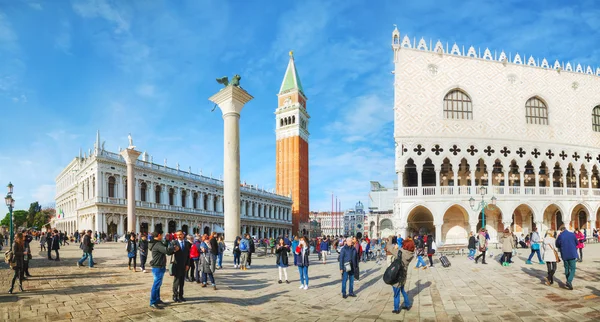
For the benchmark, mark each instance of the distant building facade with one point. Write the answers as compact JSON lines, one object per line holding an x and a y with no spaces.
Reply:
{"x":354,"y":220}
{"x":331,"y":225}
{"x":91,"y":194}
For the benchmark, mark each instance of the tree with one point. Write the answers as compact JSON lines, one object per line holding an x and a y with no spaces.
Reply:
{"x":41,"y":219}
{"x":34,"y":208}
{"x":20,"y":218}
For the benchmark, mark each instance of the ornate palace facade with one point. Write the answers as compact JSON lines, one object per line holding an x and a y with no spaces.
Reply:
{"x":525,"y":130}
{"x":91,"y":194}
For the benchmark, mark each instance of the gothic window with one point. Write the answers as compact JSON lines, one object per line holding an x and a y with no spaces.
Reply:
{"x":280,"y":122}
{"x":157,"y":192}
{"x":536,"y":111}
{"x":143,"y":188}
{"x":596,"y":118}
{"x":111,"y":187}
{"x":171,"y":197}
{"x":293,"y":119}
{"x":458,"y":105}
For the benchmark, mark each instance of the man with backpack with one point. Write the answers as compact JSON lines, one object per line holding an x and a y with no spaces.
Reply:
{"x":244,"y":249}
{"x":87,"y":247}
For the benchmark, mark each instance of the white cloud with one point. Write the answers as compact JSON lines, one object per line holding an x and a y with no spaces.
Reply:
{"x":102,"y":9}
{"x":62,"y":135}
{"x":146,"y":90}
{"x":35,"y":5}
{"x":367,"y":118}
{"x":44,"y":194}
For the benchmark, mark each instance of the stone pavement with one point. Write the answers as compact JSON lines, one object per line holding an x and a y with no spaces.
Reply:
{"x":465,"y":292}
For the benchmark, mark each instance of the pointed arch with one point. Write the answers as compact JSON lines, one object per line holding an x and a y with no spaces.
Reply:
{"x":596,"y":118}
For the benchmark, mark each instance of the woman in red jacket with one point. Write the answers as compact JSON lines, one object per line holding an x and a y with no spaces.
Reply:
{"x":194,"y":255}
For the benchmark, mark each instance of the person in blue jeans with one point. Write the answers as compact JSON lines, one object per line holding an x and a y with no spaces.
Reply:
{"x":406,"y":253}
{"x":160,"y":249}
{"x":87,"y":246}
{"x":535,"y":246}
{"x":221,"y":244}
{"x":567,"y":245}
{"x":348,"y":262}
{"x":237,"y":253}
{"x":301,"y":254}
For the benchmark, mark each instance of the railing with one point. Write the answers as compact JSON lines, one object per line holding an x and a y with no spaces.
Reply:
{"x":464,"y":190}
{"x":447,"y":190}
{"x":429,"y":191}
{"x":412,"y":191}
{"x":159,"y":206}
{"x":499,"y":190}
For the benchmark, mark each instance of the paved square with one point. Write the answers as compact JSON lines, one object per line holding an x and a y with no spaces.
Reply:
{"x":59,"y":291}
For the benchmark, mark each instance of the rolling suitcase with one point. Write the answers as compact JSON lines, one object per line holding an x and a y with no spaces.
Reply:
{"x":444,"y":260}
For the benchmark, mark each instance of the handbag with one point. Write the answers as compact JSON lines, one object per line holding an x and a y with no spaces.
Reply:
{"x":348,"y":267}
{"x":131,"y":254}
{"x":171,"y":272}
{"x":535,"y":246}
{"x":555,"y":254}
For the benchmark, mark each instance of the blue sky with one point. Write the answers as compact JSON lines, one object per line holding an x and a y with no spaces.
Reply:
{"x":69,"y":68}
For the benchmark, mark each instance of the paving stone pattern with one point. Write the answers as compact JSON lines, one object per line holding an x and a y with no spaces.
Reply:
{"x":59,"y":291}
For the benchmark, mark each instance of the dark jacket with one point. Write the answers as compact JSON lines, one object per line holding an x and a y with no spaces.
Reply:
{"x":143,"y":247}
{"x":282,"y":255}
{"x":55,"y":242}
{"x":348,"y":254}
{"x":214,"y":246}
{"x":159,"y":251}
{"x":252,"y":249}
{"x":18,"y":255}
{"x":181,"y":258}
{"x":567,"y":245}
{"x":131,"y":246}
{"x":472,"y":242}
{"x":236,"y":247}
{"x":302,"y":260}
{"x":86,"y":244}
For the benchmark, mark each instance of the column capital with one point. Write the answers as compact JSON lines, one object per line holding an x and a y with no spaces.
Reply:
{"x":130,"y":155}
{"x":231,"y":99}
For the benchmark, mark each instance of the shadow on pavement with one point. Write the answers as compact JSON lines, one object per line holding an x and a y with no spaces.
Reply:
{"x":240,"y":302}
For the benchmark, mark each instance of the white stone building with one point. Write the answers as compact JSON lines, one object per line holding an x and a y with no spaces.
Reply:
{"x":331,"y":225}
{"x":526,"y":130}
{"x":91,"y":194}
{"x":378,"y":221}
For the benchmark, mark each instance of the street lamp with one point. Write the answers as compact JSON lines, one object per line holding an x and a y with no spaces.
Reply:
{"x":482,"y":204}
{"x":10,"y":203}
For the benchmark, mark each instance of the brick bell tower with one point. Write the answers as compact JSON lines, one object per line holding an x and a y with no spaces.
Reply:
{"x":292,"y":145}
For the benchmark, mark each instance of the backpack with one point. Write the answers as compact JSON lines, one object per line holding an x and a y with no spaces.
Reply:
{"x":9,"y":258}
{"x":393,"y":272}
{"x":244,"y":246}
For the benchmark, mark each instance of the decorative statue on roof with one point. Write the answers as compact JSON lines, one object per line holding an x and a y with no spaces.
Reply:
{"x":225,"y":81}
{"x":131,"y":146}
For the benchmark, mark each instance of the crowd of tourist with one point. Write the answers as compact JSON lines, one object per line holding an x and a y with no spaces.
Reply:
{"x":196,"y":257}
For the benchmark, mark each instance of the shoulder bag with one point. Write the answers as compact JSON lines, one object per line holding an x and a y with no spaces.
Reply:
{"x":171,"y":272}
{"x":555,"y":254}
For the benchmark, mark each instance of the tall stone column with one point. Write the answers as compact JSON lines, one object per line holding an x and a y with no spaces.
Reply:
{"x":130,"y":155}
{"x":231,"y":100}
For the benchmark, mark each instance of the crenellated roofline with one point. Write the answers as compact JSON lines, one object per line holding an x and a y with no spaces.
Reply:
{"x":502,"y":57}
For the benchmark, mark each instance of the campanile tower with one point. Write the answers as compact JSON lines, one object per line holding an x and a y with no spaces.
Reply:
{"x":292,"y":144}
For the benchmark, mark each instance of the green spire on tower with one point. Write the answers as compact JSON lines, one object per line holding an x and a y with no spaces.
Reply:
{"x":291,"y":81}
